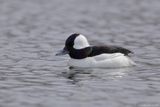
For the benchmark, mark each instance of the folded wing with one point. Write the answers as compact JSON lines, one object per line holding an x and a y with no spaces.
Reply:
{"x":97,"y":50}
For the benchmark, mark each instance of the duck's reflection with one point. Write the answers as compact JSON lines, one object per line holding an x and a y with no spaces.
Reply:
{"x":77,"y":74}
{"x":81,"y":74}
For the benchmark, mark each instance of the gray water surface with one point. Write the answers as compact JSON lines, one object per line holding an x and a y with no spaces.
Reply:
{"x":32,"y":31}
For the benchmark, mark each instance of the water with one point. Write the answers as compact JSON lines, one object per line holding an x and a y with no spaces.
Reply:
{"x":32,"y":31}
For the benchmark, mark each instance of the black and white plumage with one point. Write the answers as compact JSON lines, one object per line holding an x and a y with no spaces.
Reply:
{"x":84,"y":55}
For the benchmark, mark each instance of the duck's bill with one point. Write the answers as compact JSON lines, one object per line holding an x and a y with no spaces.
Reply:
{"x":62,"y":52}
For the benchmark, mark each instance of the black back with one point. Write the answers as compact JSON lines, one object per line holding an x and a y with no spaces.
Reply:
{"x":97,"y":50}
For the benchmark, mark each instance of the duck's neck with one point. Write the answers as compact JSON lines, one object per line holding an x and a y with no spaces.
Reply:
{"x":80,"y":53}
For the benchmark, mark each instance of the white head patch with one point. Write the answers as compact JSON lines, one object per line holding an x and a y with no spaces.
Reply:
{"x":80,"y":42}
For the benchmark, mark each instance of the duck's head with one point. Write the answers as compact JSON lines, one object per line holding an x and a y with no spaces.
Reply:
{"x":74,"y":42}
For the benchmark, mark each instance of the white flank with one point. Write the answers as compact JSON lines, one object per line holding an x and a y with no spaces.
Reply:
{"x":103,"y":61}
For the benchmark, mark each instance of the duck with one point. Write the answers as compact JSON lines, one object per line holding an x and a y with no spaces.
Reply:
{"x":84,"y":55}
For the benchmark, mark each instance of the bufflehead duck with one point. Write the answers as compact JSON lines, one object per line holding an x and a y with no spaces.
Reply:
{"x":83,"y":55}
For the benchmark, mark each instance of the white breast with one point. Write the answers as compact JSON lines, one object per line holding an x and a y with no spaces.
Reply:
{"x":104,"y":60}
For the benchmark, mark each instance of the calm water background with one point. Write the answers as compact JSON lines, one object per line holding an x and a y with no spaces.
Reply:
{"x":32,"y":31}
